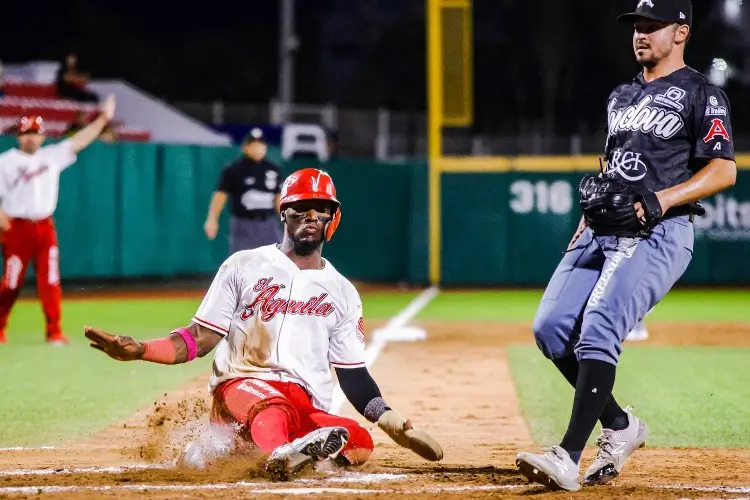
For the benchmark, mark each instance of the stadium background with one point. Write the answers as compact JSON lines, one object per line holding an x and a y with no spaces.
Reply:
{"x":456,"y":133}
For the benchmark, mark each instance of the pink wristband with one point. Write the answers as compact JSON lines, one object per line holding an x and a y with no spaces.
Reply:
{"x":190,"y":343}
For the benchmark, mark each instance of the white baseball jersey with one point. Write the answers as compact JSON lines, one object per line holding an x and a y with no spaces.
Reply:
{"x":282,"y":323}
{"x":29,"y":183}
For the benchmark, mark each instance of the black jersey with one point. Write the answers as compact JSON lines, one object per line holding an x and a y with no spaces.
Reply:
{"x":661,"y":132}
{"x":252,"y":187}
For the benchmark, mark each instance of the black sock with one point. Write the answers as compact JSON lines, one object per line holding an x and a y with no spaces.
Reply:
{"x":593,"y":389}
{"x":613,"y":417}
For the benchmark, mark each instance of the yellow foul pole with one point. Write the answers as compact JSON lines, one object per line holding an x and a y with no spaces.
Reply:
{"x":434,"y":133}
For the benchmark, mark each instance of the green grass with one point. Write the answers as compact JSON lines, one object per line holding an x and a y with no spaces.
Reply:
{"x":520,"y":305}
{"x":381,"y":305}
{"x":50,"y":393}
{"x":493,"y":305}
{"x":690,"y":396}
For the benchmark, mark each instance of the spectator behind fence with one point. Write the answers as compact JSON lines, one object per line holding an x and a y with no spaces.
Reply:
{"x":108,"y":135}
{"x":252,"y":182}
{"x":71,"y":83}
{"x":79,"y":122}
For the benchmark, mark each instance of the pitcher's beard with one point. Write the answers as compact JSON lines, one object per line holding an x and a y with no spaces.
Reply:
{"x":648,"y":63}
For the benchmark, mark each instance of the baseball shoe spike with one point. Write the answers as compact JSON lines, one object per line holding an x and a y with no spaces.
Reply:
{"x":615,"y":447}
{"x":553,"y":469}
{"x":290,"y":458}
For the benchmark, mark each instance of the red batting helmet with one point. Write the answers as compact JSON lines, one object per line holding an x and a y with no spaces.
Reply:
{"x":312,"y":184}
{"x":31,"y":125}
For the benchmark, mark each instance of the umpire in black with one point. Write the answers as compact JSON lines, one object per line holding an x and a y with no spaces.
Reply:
{"x":253,"y":184}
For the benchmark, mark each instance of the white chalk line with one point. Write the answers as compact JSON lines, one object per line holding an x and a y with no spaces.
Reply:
{"x":30,"y":448}
{"x":382,"y":337}
{"x":258,"y":488}
{"x":359,"y":478}
{"x":715,"y":498}
{"x":347,"y":477}
{"x":712,"y":489}
{"x":267,"y":488}
{"x":81,"y":470}
{"x":351,"y":477}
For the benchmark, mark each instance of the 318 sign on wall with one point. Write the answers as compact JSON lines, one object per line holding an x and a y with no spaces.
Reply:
{"x":541,"y":197}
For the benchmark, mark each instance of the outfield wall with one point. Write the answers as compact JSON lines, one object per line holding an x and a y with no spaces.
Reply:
{"x":131,"y":210}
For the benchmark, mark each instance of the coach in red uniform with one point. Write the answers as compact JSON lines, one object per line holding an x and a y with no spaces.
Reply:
{"x":29,"y":182}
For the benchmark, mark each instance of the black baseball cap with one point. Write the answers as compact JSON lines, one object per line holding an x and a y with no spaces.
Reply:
{"x":256,"y":134}
{"x":665,"y":11}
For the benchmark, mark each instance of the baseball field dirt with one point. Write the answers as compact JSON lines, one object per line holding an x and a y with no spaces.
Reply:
{"x":456,"y":384}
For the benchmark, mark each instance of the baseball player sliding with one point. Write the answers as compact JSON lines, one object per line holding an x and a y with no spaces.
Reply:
{"x":29,"y":182}
{"x":669,"y":145}
{"x":278,"y":317}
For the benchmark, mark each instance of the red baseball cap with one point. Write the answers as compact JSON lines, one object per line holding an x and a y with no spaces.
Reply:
{"x":31,"y":125}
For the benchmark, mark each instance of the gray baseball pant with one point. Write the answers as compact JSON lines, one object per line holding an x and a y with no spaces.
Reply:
{"x":605,"y":285}
{"x":246,"y":234}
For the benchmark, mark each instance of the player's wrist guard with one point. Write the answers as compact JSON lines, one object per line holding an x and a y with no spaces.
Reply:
{"x":375,"y":409}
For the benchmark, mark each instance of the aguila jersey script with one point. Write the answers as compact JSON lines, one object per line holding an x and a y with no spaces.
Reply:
{"x":661,"y":132}
{"x":281,"y":323}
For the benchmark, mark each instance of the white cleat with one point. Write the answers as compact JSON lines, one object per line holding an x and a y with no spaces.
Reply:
{"x":320,"y":444}
{"x":615,"y":447}
{"x":553,"y":469}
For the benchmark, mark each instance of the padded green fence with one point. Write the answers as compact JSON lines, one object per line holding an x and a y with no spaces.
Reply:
{"x":131,"y":210}
{"x":511,"y":229}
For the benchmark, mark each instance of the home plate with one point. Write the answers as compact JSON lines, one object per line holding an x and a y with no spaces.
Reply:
{"x":401,"y":334}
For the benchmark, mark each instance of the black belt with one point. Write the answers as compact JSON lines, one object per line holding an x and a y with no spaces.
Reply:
{"x":690,"y":209}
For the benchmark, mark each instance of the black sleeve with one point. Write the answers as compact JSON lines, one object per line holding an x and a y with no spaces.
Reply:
{"x":225,"y":182}
{"x":713,"y":125}
{"x":358,"y":386}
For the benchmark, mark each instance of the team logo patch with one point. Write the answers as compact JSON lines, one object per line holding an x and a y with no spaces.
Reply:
{"x":627,"y":164}
{"x":361,"y":330}
{"x":716,"y":111}
{"x":717,"y":130}
{"x":645,"y":2}
{"x":713,"y":108}
{"x":671,"y":98}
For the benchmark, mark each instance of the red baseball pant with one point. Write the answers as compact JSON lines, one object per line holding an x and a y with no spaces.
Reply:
{"x":24,"y":242}
{"x":272,"y":413}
